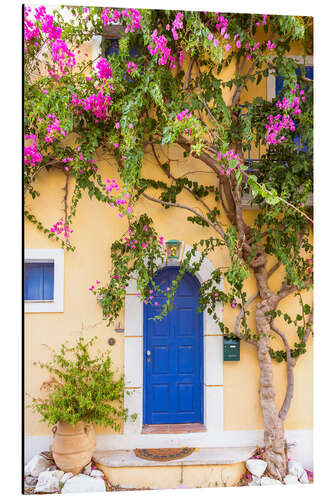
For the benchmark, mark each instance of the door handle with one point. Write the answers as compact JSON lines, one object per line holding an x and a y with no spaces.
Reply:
{"x":148,"y":353}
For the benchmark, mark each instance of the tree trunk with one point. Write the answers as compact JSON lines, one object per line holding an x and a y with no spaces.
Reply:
{"x":274,"y":455}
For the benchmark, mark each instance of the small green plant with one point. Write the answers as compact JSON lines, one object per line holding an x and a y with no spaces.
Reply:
{"x":82,"y":388}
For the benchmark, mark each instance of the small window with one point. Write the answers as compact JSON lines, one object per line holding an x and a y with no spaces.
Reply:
{"x":39,"y":281}
{"x":43,"y":280}
{"x":275,"y":83}
{"x":279,"y":79}
{"x":112,"y":47}
{"x":275,"y":87}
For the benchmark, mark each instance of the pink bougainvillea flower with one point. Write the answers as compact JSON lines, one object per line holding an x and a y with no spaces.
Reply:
{"x":227,"y":47}
{"x":270,"y":45}
{"x":104,"y":69}
{"x":131,"y":66}
{"x":117,"y":125}
{"x":210,"y":36}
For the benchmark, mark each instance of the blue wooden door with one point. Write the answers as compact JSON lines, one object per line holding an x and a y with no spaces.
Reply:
{"x":173,"y":355}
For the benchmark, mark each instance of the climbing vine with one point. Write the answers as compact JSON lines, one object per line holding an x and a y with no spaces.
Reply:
{"x":182,"y":79}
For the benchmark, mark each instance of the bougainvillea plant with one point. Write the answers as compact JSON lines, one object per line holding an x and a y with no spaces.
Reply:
{"x":181,"y":79}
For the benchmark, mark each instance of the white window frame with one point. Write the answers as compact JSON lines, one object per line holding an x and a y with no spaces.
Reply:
{"x":56,"y":256}
{"x":271,"y":77}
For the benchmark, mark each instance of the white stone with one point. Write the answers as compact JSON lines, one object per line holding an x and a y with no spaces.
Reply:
{"x":256,"y":481}
{"x":36,"y":465}
{"x":256,"y":467}
{"x":83,"y":484}
{"x":268,"y":481}
{"x":66,"y":476}
{"x":48,"y":481}
{"x":290,"y":479}
{"x":96,"y":473}
{"x":304,"y":478}
{"x":295,"y":468}
{"x":59,"y":474}
{"x":87,"y":469}
{"x":30,"y":481}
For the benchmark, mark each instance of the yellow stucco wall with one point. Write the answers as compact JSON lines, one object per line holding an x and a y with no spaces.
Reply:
{"x":191,"y":476}
{"x":96,"y":226}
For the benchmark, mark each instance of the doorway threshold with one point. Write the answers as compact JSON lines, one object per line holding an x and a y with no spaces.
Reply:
{"x":172,"y":428}
{"x":204,"y":456}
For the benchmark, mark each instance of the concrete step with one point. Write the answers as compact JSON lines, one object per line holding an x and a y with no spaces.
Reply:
{"x":204,"y":456}
{"x":205,"y":468}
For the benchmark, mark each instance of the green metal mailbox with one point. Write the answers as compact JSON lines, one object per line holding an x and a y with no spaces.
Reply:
{"x":231,"y":349}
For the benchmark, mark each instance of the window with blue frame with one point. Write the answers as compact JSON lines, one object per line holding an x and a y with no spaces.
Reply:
{"x":39,"y":281}
{"x":278,"y":92}
{"x":112,"y":48}
{"x":279,"y":79}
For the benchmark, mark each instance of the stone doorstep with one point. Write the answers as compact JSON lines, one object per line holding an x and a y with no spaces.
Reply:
{"x":172,"y":428}
{"x":204,"y":456}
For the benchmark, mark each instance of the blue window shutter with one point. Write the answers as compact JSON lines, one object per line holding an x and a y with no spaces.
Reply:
{"x":279,"y":87}
{"x":309,"y":72}
{"x":134,"y":52}
{"x":48,"y":281}
{"x":39,"y":281}
{"x":33,"y":281}
{"x":112,"y":48}
{"x":279,"y":79}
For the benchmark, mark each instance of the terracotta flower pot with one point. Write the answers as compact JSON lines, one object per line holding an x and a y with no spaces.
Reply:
{"x":73,"y":446}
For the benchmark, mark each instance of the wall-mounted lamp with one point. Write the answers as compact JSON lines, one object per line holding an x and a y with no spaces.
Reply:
{"x":119,"y":328}
{"x":173,"y":249}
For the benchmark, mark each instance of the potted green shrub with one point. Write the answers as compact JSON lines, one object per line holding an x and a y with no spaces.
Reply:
{"x":83,"y":392}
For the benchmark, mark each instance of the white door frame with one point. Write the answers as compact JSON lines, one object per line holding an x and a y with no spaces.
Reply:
{"x":133,"y":371}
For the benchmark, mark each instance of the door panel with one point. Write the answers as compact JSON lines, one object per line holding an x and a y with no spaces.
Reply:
{"x":173,"y":371}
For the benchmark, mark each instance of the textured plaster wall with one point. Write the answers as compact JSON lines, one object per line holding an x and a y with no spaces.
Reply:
{"x":95,"y":227}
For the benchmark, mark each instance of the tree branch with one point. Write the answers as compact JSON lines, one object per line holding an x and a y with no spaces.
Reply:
{"x":210,"y":162}
{"x":291,"y":362}
{"x":290,"y":374}
{"x":178,"y":205}
{"x":169,"y":174}
{"x":240,"y":316}
{"x":188,"y":74}
{"x":309,"y":328}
